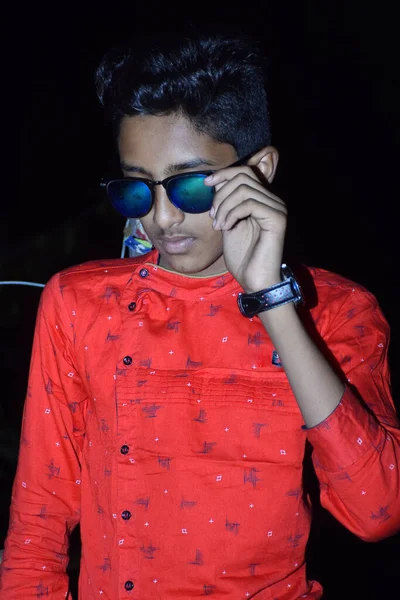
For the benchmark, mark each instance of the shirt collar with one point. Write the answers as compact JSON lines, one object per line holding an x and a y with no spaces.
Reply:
{"x":149,"y":275}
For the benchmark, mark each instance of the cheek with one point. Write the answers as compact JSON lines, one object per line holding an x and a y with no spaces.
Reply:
{"x":215,"y":238}
{"x":202,"y":227}
{"x":147,"y":224}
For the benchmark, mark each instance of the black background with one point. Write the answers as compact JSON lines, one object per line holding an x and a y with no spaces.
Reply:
{"x":334,"y":97}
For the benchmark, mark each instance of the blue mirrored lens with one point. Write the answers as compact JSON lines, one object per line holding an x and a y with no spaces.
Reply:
{"x":130,"y":198}
{"x":190,"y":194}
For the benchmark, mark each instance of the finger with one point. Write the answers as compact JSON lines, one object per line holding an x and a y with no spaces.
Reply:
{"x":241,"y":195}
{"x":240,"y":180}
{"x":267,"y":217}
{"x":223,"y":175}
{"x":242,"y":184}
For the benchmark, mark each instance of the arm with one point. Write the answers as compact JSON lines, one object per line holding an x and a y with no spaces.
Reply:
{"x":353,"y":428}
{"x":354,"y":432}
{"x":45,"y":502}
{"x":316,"y":386}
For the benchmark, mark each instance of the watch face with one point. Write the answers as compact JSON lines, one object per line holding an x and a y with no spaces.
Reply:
{"x":287,"y":273}
{"x":298,"y":292}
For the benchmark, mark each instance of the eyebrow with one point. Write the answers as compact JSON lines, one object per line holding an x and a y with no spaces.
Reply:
{"x":172,"y":167}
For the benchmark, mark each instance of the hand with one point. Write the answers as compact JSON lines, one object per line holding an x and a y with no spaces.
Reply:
{"x":253,"y":224}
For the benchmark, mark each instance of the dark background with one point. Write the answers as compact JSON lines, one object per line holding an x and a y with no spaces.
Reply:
{"x":334,"y":96}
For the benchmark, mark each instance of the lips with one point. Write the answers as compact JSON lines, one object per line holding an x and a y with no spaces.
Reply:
{"x":177,"y":244}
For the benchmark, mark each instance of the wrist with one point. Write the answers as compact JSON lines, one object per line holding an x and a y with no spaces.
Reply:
{"x":268,"y":282}
{"x":287,"y":290}
{"x":280,"y":318}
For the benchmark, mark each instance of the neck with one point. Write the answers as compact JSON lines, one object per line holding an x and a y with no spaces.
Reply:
{"x":216,"y":268}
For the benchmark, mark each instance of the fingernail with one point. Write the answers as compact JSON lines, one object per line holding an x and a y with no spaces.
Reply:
{"x":214,"y":222}
{"x":212,"y":211}
{"x":209,"y":178}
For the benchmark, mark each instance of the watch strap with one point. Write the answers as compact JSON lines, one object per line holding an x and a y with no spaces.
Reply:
{"x":283,"y":292}
{"x":276,"y":295}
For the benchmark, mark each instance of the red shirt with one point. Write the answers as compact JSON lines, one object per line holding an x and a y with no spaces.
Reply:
{"x":160,"y":418}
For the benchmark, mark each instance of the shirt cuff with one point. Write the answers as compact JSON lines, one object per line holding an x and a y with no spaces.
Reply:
{"x":345,"y":435}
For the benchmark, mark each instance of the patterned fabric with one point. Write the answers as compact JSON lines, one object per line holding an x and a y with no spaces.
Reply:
{"x":161,"y":419}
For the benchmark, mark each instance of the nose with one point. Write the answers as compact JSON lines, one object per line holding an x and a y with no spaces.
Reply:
{"x":165,"y":214}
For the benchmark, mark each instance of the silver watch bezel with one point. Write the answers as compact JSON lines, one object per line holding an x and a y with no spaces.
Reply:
{"x":287,"y":275}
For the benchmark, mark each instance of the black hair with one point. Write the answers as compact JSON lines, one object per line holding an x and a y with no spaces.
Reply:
{"x":217,"y":81}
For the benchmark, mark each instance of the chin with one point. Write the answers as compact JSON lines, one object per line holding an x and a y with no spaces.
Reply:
{"x":191,"y":265}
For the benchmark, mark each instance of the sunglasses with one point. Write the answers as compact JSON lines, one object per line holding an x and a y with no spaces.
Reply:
{"x":134,"y":197}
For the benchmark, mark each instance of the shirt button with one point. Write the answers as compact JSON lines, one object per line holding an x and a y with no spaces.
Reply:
{"x":132,"y":306}
{"x":127,"y":360}
{"x":126,"y":515}
{"x":129,"y":585}
{"x":143,"y":273}
{"x":124,"y":449}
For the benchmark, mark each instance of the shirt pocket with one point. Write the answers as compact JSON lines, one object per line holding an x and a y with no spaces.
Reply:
{"x":216,"y":413}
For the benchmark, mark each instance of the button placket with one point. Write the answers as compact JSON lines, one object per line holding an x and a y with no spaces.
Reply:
{"x":126,"y":524}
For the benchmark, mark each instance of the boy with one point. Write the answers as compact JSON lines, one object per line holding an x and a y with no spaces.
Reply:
{"x":171,"y":395}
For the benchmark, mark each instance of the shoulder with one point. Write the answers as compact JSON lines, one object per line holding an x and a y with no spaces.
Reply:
{"x":85,"y":282}
{"x":97,"y":268}
{"x":335,"y":302}
{"x":327,"y":288}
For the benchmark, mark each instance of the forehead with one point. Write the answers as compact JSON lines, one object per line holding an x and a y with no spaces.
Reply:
{"x":153,"y":141}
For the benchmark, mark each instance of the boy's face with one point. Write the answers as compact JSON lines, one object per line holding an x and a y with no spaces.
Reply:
{"x":166,"y":145}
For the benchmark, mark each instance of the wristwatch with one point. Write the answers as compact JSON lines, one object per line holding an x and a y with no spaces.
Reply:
{"x":288,"y":290}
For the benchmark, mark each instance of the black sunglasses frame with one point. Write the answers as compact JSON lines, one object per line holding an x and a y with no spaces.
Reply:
{"x":104,"y":183}
{"x":151,"y":183}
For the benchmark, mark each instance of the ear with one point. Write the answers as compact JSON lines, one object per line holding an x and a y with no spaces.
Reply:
{"x":266,"y":162}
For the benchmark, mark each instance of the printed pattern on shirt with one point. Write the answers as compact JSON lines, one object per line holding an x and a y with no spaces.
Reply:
{"x":162,"y":421}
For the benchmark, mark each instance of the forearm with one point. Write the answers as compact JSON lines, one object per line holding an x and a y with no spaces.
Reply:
{"x":36,"y":551}
{"x":316,"y":386}
{"x":356,"y":451}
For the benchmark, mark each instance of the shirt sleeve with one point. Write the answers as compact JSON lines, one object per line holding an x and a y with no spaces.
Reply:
{"x":356,"y":449}
{"x":45,"y":502}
